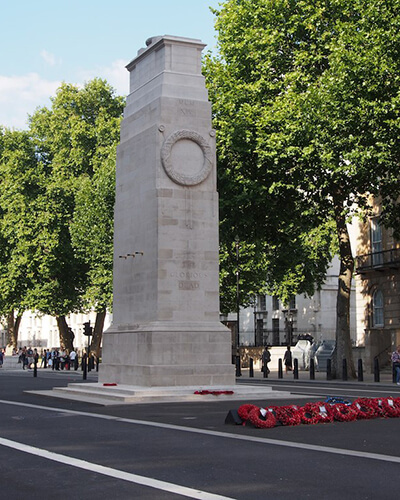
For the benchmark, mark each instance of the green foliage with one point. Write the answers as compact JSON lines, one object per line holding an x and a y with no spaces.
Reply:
{"x":56,"y":203}
{"x":92,"y":231}
{"x":75,"y":140}
{"x":21,"y":182}
{"x":306,"y":103}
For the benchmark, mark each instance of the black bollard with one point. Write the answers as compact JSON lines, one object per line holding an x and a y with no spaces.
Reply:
{"x":238,"y":369}
{"x":328,"y":369}
{"x":35,"y":367}
{"x":376,"y":370}
{"x":84,"y":366}
{"x":344,"y":369}
{"x":394,"y":374}
{"x":360,"y":371}
{"x":251,"y":371}
{"x":280,"y":369}
{"x":97,"y":364}
{"x":296,"y":369}
{"x":312,"y":369}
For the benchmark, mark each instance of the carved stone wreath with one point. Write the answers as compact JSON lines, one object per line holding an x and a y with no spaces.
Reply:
{"x":171,"y":170}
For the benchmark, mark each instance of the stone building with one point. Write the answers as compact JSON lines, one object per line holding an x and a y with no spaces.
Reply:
{"x":268,"y":321}
{"x":378,"y":287}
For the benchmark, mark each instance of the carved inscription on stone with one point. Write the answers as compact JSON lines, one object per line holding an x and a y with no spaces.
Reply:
{"x":188,"y":280}
{"x":189,"y":285}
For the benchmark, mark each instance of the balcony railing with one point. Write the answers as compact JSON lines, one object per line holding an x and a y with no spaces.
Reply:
{"x":378,"y":261}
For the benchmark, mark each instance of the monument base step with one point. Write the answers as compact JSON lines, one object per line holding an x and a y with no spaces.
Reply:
{"x":97,"y":393}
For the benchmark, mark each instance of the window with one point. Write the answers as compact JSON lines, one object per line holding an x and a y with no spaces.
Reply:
{"x":275,"y":331}
{"x":275,"y":303}
{"x":292,"y":302}
{"x":377,"y":309}
{"x":262,"y":303}
{"x":376,"y":242}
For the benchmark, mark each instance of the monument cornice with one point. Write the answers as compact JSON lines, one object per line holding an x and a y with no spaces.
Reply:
{"x":156,"y":42}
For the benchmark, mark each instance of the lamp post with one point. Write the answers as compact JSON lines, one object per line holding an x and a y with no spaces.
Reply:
{"x":288,"y":325}
{"x":237,"y":293}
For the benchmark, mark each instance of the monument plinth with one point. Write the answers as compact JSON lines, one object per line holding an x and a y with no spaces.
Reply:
{"x":166,"y":329}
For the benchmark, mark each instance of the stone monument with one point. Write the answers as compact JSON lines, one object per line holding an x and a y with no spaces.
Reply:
{"x":166,"y":329}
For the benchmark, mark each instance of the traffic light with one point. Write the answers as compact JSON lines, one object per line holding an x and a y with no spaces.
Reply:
{"x":87,"y":329}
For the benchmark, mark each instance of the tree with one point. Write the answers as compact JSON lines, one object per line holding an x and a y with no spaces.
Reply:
{"x":21,"y":186}
{"x":92,"y":238}
{"x":306,"y":102}
{"x":73,"y":138}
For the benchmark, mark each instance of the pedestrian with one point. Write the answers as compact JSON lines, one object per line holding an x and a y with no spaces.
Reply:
{"x":43,"y":363}
{"x":72,"y":357}
{"x":396,"y":363}
{"x":62,"y":358}
{"x":265,"y":358}
{"x":29,"y":357}
{"x":288,"y":360}
{"x":35,"y":357}
{"x":55,"y":360}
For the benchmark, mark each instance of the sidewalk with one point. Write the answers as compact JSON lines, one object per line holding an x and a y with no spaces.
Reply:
{"x":385,"y":378}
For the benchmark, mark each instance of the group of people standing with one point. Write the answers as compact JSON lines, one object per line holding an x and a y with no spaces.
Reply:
{"x":56,"y":359}
{"x":60,"y":359}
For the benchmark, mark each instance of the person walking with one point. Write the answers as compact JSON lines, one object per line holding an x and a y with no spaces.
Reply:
{"x":288,"y":360}
{"x":396,"y":363}
{"x":265,"y":358}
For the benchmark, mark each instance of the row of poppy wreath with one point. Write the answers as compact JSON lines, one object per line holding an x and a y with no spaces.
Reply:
{"x":319,"y":412}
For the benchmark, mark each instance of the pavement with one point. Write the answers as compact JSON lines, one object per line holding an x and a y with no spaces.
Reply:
{"x":385,"y":377}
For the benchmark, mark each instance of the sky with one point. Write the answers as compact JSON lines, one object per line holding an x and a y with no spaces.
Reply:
{"x":47,"y":42}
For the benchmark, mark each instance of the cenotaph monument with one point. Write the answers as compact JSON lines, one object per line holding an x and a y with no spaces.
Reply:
{"x":166,"y":329}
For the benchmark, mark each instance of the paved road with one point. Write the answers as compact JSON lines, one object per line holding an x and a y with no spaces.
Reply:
{"x":57,"y":448}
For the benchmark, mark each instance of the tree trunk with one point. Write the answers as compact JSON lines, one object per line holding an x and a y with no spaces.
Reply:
{"x":66,"y":339}
{"x":13,"y":329}
{"x":98,"y":332}
{"x":343,"y":349}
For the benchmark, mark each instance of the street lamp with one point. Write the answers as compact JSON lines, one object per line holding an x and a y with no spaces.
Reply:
{"x":288,"y":325}
{"x":237,"y":293}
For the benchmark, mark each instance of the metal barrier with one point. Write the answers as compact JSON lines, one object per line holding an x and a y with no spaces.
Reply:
{"x":328,"y":369}
{"x":312,"y":369}
{"x":377,"y":377}
{"x":295,"y":369}
{"x":360,"y":371}
{"x":344,"y":369}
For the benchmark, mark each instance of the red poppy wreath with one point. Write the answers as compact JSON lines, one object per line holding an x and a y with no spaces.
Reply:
{"x":262,"y":419}
{"x":288,"y":415}
{"x":315,"y":413}
{"x":343,"y":412}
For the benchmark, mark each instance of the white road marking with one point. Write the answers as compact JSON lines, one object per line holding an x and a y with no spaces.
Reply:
{"x":114,"y":473}
{"x":226,"y":435}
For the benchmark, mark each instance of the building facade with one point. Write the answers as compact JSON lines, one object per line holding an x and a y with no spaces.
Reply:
{"x":41,"y":331}
{"x":269,"y":322}
{"x":378,"y":288}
